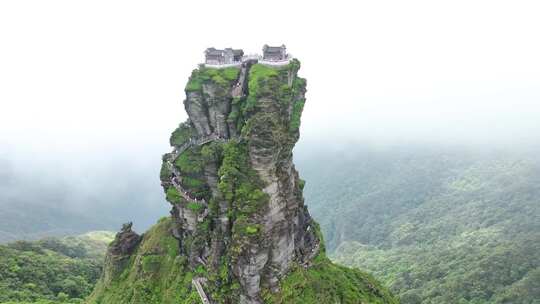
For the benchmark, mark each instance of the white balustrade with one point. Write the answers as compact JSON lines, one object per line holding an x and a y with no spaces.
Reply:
{"x":246,"y":58}
{"x":177,"y":179}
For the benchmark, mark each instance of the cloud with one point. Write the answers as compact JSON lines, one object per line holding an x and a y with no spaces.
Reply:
{"x":94,"y":89}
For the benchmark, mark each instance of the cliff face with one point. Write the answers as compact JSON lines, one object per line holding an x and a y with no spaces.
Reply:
{"x":245,"y":207}
{"x":238,"y":214}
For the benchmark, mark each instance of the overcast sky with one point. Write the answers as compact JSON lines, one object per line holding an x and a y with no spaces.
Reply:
{"x":91,"y":90}
{"x":82,"y":76}
{"x":90,"y":79}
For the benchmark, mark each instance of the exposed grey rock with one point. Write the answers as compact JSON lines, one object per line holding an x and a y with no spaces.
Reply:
{"x":286,"y":234}
{"x":119,"y":252}
{"x":125,"y":241}
{"x":197,"y":110}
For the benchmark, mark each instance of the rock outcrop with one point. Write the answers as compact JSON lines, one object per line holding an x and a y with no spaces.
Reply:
{"x":120,"y":251}
{"x":125,"y":241}
{"x":238,"y":213}
{"x":259,"y":224}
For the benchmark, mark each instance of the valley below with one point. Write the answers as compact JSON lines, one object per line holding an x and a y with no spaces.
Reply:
{"x":434,"y":226}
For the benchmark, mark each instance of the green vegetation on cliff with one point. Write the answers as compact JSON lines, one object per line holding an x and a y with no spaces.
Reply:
{"x":252,"y":232}
{"x":191,"y":164}
{"x":298,"y":107}
{"x":52,"y":270}
{"x":326,"y":282}
{"x":172,"y":195}
{"x":190,"y":161}
{"x":223,"y":77}
{"x":181,"y":135}
{"x":240,"y":184}
{"x":156,"y":273}
{"x":277,"y":83}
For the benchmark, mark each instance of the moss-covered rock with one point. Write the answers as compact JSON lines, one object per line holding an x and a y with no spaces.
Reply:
{"x":325,"y":282}
{"x":242,"y":223}
{"x":203,"y":75}
{"x":155,"y":273}
{"x":182,"y":134}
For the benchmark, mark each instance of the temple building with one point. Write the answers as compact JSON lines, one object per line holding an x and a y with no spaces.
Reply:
{"x":274,"y":53}
{"x":226,"y":56}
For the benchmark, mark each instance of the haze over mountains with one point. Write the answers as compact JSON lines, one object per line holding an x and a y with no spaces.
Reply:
{"x":420,"y":217}
{"x":437,"y":225}
{"x":419,"y":146}
{"x":42,"y":198}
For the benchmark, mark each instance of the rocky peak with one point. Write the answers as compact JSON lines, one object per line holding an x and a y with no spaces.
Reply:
{"x":239,"y":231}
{"x":237,"y":198}
{"x":125,"y":241}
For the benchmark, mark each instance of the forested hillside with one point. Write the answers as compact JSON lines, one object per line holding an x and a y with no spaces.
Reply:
{"x":437,"y":225}
{"x":459,"y":226}
{"x":52,"y":270}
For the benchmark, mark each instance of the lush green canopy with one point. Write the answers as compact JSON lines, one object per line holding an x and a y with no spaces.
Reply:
{"x":437,"y":226}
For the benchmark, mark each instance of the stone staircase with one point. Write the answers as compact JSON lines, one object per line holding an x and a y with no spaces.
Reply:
{"x":197,"y":142}
{"x":198,"y":283}
{"x":177,"y":179}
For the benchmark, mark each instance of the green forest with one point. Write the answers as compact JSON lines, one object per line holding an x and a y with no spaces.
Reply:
{"x":435,"y":225}
{"x":52,"y":270}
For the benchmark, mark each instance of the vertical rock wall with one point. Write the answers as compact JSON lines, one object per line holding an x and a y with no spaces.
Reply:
{"x":239,"y":231}
{"x":250,"y":109}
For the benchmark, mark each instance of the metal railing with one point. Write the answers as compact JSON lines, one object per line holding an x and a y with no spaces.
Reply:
{"x":277,"y":62}
{"x":223,"y":65}
{"x":198,"y":286}
{"x":245,"y":58}
{"x":177,"y":179}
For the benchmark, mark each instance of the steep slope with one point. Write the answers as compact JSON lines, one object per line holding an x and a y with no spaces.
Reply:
{"x":239,"y":231}
{"x":437,"y":225}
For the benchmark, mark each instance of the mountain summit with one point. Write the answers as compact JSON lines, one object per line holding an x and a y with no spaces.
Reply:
{"x":239,"y":231}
